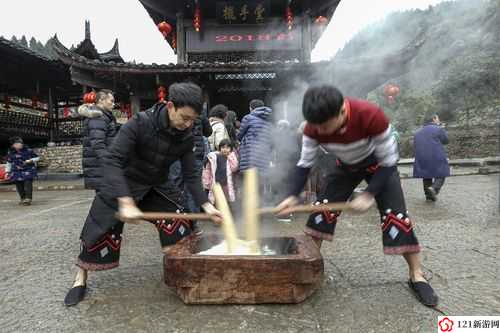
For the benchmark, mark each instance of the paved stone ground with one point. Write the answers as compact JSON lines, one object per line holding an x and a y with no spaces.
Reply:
{"x":364,"y":291}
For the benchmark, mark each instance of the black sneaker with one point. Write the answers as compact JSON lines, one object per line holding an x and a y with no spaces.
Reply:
{"x":431,"y":193}
{"x":75,"y":295}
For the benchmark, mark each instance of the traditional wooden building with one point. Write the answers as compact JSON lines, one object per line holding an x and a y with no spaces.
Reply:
{"x":235,"y":50}
{"x":38,"y":90}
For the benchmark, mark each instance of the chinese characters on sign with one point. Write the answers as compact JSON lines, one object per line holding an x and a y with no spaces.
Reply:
{"x":243,"y":12}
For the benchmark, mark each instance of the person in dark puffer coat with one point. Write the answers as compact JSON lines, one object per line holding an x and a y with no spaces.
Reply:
{"x":21,"y":169}
{"x":201,"y":129}
{"x":256,"y":138}
{"x":100,"y":127}
{"x":431,"y":160}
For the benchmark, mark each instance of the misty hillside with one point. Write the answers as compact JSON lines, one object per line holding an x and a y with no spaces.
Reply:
{"x":445,"y":59}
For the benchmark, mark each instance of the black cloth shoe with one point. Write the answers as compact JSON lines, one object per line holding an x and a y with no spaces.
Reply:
{"x":424,"y":293}
{"x":75,"y":295}
{"x":431,"y":193}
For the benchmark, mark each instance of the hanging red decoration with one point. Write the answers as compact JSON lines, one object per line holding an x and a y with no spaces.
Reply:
{"x":165,"y":28}
{"x":289,"y":17}
{"x":66,"y":112}
{"x":162,"y":94}
{"x":390,"y":92}
{"x":92,"y":97}
{"x":89,"y":98}
{"x":321,"y":21}
{"x":127,"y":110}
{"x":174,"y":41}
{"x":197,"y":18}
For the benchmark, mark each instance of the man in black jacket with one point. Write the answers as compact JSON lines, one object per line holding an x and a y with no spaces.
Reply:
{"x":135,"y":173}
{"x":201,"y":129}
{"x":100,"y":127}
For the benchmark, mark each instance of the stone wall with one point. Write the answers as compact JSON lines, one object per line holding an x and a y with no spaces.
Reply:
{"x":464,"y":143}
{"x":62,"y":159}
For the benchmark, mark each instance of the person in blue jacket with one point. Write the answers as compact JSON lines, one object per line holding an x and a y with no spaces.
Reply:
{"x":431,"y":160}
{"x":256,"y":141}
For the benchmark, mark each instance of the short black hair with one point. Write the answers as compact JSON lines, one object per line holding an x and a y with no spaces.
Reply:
{"x":186,"y":94}
{"x":429,"y":118}
{"x":102,"y":94}
{"x":255,"y":103}
{"x":322,"y":103}
{"x":218,"y":111}
{"x":225,"y":142}
{"x":15,"y":139}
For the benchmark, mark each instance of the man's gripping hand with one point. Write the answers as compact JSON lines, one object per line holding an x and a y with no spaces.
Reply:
{"x":128,"y":211}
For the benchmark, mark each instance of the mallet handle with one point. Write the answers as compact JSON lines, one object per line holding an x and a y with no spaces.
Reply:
{"x":151,"y":216}
{"x":309,"y":208}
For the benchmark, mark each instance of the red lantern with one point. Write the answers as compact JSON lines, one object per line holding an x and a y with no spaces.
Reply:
{"x":89,"y":98}
{"x":66,"y":112}
{"x":162,"y":94}
{"x":92,"y":97}
{"x":127,"y":110}
{"x":289,"y":17}
{"x":390,"y":92}
{"x":321,"y":21}
{"x":174,"y":41}
{"x":165,"y":28}
{"x":197,"y":18}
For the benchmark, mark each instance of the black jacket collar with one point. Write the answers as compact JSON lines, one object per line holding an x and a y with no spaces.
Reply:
{"x":162,"y":123}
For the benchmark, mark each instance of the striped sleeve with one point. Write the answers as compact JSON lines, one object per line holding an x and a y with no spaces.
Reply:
{"x":309,"y":151}
{"x":386,"y":148}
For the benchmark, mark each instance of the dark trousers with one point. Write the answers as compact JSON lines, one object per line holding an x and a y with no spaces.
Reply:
{"x":435,"y":183}
{"x":25,"y":189}
{"x":398,"y":236}
{"x":175,"y":176}
{"x":105,"y":253}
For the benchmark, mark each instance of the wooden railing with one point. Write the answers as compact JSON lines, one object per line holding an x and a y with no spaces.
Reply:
{"x":37,"y":127}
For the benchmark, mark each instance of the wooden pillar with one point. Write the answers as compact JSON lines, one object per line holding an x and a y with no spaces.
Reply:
{"x":181,"y":39}
{"x":135,"y":104}
{"x":50,"y":116}
{"x":268,"y":99}
{"x":56,"y":114}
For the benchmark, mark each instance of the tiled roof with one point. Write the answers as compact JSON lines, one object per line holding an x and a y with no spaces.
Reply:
{"x":19,"y":47}
{"x":76,"y":60}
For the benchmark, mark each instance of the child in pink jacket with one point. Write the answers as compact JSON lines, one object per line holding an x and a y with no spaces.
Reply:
{"x":220,"y":168}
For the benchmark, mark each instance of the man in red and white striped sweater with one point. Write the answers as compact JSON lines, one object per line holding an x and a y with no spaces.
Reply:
{"x":359,"y":134}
